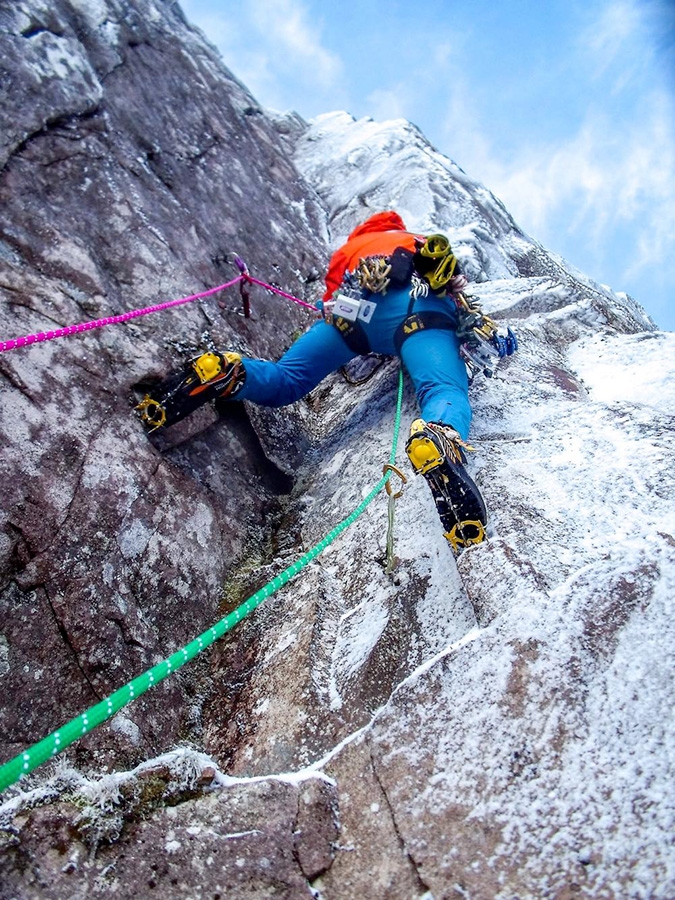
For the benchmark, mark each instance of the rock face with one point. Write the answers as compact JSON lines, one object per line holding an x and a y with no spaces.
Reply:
{"x":494,"y":728}
{"x":132,"y":164}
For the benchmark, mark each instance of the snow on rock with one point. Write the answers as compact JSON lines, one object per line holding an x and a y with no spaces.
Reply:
{"x":495,"y":727}
{"x":628,"y":369}
{"x":351,"y":164}
{"x":527,"y":760}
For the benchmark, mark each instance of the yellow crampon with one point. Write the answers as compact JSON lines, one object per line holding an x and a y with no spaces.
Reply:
{"x":422,"y":451}
{"x":151,"y":412}
{"x":212,"y":375}
{"x":436,"y":451}
{"x":465,"y":534}
{"x":427,"y":452}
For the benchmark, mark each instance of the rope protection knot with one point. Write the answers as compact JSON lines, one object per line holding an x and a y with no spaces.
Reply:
{"x":24,"y":763}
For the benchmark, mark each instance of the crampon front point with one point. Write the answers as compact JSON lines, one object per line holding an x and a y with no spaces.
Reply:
{"x":208,"y":377}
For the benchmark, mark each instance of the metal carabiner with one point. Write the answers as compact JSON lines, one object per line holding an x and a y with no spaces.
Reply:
{"x":389,"y":468}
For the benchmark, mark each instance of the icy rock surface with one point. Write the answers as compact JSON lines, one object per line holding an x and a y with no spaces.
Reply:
{"x":494,"y":728}
{"x":133,"y":165}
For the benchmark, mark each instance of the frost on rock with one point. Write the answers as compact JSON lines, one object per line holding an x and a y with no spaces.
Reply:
{"x":495,"y":726}
{"x":360,"y":166}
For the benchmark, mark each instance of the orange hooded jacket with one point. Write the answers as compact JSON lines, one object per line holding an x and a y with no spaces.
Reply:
{"x":379,"y":235}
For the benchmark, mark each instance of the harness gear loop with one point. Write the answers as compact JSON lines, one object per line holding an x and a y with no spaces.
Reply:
{"x":472,"y":321}
{"x":388,"y":467}
{"x":373,"y":274}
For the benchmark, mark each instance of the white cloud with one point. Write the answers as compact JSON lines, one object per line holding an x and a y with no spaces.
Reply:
{"x":287,"y":28}
{"x":616,"y":29}
{"x":620,"y":44}
{"x":598,"y":180}
{"x":273,"y":46}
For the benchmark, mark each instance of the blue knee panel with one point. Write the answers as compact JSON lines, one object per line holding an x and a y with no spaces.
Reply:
{"x":319,"y":351}
{"x":439,"y":375}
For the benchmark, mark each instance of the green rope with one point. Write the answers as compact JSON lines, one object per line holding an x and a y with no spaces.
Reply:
{"x":39,"y":753}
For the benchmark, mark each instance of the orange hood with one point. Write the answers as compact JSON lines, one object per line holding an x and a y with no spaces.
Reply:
{"x":382,"y":221}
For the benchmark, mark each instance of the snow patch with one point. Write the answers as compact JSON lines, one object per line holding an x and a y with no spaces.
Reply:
{"x":627,"y":368}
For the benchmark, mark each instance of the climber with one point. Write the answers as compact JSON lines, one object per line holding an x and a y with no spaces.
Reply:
{"x":391,"y":292}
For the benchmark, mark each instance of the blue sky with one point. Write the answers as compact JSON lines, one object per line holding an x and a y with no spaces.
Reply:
{"x":564,"y":110}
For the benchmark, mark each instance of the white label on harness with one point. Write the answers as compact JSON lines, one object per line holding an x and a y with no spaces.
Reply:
{"x":366,"y":310}
{"x":346,"y":307}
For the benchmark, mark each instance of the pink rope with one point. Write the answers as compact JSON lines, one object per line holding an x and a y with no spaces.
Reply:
{"x":281,"y":293}
{"x":110,"y":320}
{"x":135,"y":313}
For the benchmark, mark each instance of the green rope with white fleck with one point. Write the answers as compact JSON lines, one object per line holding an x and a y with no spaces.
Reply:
{"x":39,"y":753}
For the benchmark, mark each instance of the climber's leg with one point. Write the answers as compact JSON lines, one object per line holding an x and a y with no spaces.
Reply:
{"x":319,"y":351}
{"x":439,"y":375}
{"x":226,"y":376}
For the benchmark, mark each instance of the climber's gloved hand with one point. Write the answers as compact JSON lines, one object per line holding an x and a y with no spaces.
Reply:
{"x":505,"y":344}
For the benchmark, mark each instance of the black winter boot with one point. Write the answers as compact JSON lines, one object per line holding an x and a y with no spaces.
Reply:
{"x":436,"y":452}
{"x":208,"y":377}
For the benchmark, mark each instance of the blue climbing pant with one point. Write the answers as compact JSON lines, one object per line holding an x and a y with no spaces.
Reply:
{"x":431,"y":358}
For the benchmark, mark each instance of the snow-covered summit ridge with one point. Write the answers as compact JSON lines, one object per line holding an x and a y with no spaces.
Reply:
{"x":360,"y":166}
{"x":357,"y":165}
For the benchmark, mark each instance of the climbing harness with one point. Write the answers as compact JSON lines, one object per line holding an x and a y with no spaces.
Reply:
{"x":421,"y":321}
{"x":432,"y":267}
{"x":356,"y":299}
